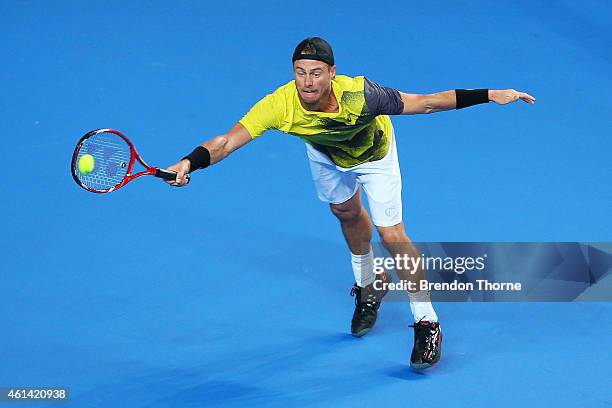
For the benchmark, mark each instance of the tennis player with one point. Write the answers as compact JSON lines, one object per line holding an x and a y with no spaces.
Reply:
{"x":351,"y":148}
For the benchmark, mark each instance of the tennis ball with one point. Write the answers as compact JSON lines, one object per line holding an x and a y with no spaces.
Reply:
{"x":86,"y":164}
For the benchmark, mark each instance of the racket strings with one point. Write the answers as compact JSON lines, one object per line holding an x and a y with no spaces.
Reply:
{"x":111,"y":155}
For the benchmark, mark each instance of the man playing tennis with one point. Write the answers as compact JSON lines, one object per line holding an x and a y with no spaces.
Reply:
{"x":350,"y":144}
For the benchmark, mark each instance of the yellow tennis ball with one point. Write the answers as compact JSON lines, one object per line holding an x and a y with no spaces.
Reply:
{"x":86,"y":164}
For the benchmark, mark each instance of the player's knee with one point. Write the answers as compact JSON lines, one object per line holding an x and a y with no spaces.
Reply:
{"x":346,"y":213}
{"x":392,"y":235}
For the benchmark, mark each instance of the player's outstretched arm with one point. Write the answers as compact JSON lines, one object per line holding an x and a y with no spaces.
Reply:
{"x":215,"y":150}
{"x":460,"y":98}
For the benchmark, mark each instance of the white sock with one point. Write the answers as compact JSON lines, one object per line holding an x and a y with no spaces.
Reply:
{"x":421,"y":307}
{"x":363,"y":268}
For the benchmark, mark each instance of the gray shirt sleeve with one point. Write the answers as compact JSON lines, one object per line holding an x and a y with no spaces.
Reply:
{"x":382,"y":100}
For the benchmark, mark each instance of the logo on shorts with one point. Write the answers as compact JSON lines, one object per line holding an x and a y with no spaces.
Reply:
{"x":390,"y":212}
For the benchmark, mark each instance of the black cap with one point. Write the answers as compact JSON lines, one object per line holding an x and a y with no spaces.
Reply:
{"x":314,"y":48}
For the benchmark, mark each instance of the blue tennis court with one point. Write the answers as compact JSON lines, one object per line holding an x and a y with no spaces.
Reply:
{"x":234,"y":291}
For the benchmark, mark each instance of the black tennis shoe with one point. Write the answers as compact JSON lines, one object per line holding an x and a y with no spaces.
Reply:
{"x":367,"y":303}
{"x":427,"y":344}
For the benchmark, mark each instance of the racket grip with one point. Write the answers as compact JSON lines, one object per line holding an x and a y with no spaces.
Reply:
{"x":165,"y":174}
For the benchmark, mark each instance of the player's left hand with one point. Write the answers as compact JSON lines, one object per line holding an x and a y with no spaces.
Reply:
{"x":506,"y":96}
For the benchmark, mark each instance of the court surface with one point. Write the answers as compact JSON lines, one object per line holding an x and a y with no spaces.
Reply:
{"x":235,"y":290}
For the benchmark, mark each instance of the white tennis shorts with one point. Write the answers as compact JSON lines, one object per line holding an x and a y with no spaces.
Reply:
{"x":381,"y":180}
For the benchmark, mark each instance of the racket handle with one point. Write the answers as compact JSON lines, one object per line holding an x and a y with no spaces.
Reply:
{"x":166,"y":174}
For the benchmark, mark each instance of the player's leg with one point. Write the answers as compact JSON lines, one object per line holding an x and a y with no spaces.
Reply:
{"x":356,"y":226}
{"x":427,"y":332}
{"x":382,"y":184}
{"x":396,"y":241}
{"x":357,"y":229}
{"x":341,"y":191}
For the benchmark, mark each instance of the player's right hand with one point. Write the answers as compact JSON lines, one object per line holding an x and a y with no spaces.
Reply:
{"x":182,"y":173}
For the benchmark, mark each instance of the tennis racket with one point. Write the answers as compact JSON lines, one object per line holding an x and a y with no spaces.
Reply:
{"x":110,"y":162}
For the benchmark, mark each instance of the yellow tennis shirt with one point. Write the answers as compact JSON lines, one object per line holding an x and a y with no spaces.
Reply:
{"x":359,"y":132}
